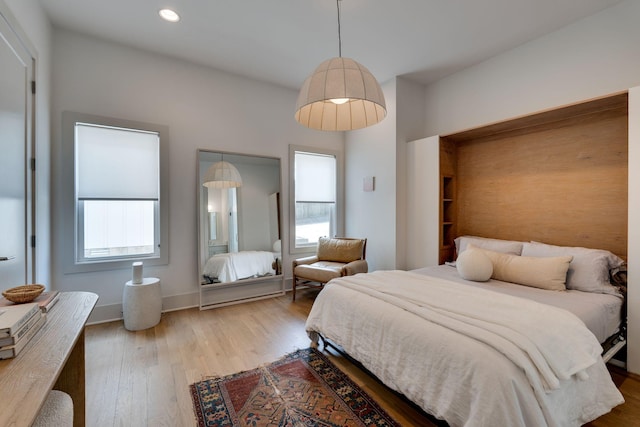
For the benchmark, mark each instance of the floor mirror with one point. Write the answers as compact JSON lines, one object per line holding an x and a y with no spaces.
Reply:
{"x":239,"y":226}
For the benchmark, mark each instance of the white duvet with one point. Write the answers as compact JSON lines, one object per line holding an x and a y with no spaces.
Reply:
{"x":230,"y":267}
{"x":469,"y":356}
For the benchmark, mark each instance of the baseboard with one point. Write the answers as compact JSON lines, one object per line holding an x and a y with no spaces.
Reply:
{"x":113,"y":312}
{"x":288,"y":284}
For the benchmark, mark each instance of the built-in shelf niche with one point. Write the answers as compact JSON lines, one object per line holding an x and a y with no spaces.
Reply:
{"x":448,"y":205}
{"x":447,"y":221}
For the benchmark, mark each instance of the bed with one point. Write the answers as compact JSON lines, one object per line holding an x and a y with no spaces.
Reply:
{"x":229,"y":267}
{"x":484,"y":352}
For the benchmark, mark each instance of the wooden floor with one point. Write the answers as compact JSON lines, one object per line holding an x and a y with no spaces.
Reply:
{"x":142,"y":378}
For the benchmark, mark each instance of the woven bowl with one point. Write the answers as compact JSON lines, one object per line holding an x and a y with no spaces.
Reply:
{"x":24,"y":293}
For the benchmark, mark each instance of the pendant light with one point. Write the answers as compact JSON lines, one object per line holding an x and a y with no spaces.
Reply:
{"x":341,"y":94}
{"x":222,"y":175}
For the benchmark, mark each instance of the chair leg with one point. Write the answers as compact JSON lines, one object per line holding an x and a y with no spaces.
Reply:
{"x":294,"y":288}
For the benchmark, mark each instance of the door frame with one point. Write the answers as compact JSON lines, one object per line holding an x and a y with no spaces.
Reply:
{"x":16,"y":39}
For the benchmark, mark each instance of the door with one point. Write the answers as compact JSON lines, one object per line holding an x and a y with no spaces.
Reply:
{"x":16,"y":65}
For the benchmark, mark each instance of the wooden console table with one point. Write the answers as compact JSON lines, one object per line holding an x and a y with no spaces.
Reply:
{"x":53,"y":359}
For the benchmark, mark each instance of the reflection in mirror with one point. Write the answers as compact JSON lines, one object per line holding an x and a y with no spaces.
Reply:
{"x":239,"y":226}
{"x":213,"y":227}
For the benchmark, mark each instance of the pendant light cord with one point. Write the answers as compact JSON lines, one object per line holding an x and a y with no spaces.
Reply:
{"x":339,"y":35}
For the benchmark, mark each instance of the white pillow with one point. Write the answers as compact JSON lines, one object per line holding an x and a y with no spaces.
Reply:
{"x":589,"y":270}
{"x":473,"y":264}
{"x":496,"y":245}
{"x":545,"y":273}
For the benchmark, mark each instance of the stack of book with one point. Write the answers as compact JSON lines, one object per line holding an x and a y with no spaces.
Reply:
{"x":20,"y":322}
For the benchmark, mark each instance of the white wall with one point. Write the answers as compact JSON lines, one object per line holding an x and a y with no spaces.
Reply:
{"x":380,"y":151}
{"x":410,"y":125}
{"x":372,"y":152}
{"x":203,"y":107}
{"x":35,"y":25}
{"x":594,"y":57}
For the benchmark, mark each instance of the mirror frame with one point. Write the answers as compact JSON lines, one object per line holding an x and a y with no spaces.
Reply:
{"x":248,"y":289}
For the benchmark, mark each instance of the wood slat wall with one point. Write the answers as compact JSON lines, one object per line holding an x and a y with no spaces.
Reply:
{"x":559,"y":177}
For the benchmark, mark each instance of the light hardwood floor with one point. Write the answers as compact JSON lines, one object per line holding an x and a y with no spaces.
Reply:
{"x":142,"y":378}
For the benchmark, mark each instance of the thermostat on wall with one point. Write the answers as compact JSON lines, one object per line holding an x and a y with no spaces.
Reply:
{"x":369,"y":183}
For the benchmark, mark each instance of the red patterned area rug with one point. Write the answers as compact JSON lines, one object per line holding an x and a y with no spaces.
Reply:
{"x":302,"y":389}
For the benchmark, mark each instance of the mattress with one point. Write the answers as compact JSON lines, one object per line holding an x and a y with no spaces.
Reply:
{"x":599,"y":312}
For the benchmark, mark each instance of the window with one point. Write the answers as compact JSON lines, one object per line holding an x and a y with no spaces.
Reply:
{"x":119,"y":206}
{"x":116,"y":229}
{"x":316,"y":176}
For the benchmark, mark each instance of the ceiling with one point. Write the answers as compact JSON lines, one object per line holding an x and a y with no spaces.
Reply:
{"x":282,"y":41}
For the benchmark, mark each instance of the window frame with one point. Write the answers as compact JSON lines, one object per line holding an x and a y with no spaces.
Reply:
{"x":72,"y":207}
{"x":339,"y":226}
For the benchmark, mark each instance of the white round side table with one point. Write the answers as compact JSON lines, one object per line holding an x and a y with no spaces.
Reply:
{"x":142,"y":304}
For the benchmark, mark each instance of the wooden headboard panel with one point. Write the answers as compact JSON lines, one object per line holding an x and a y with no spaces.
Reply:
{"x":558,"y":177}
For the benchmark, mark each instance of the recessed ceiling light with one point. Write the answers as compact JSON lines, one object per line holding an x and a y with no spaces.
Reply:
{"x":169,"y":15}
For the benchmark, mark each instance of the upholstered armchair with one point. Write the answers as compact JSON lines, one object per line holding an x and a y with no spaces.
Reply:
{"x":335,"y":257}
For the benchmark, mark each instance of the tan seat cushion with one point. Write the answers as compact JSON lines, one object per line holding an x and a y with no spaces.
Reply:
{"x":341,"y":250}
{"x":321,"y":271}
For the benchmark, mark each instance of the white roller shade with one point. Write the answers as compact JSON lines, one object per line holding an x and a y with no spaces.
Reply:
{"x":315,"y":179}
{"x":113,"y":163}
